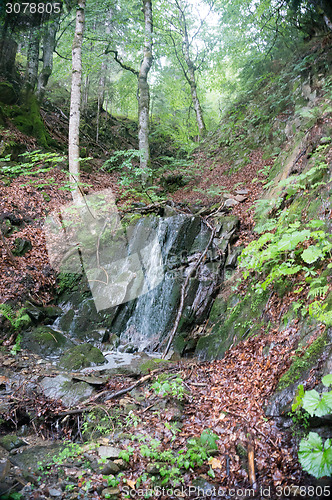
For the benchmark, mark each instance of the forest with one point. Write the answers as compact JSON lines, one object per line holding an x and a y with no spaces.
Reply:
{"x":166,"y":249}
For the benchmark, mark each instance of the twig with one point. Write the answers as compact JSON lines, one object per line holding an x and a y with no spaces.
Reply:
{"x":111,"y":396}
{"x":251,"y":462}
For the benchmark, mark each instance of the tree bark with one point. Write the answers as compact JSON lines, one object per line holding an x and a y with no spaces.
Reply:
{"x":49,"y":43}
{"x":32,"y":59}
{"x":143,"y":88}
{"x":75,"y":101}
{"x":191,"y":78}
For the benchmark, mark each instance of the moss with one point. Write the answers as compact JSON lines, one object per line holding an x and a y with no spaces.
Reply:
{"x":233,"y":325}
{"x":152,"y":364}
{"x":45,"y":341}
{"x":67,"y":282}
{"x":28,"y":120}
{"x":302,"y":364}
{"x":82,"y":356}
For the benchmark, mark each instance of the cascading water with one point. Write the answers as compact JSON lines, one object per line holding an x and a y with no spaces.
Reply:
{"x":140,"y":277}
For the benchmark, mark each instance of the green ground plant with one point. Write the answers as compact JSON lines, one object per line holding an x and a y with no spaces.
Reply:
{"x":169,"y":463}
{"x":292,"y":248}
{"x":169,"y":387}
{"x":315,"y":456}
{"x":18,"y":319}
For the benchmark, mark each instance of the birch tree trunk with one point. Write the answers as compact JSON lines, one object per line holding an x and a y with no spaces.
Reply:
{"x":32,"y":60}
{"x":49,"y":42}
{"x":75,"y":102}
{"x":143,"y":88}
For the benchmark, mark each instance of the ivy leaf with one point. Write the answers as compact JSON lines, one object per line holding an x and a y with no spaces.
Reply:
{"x":327,"y":380}
{"x":311,"y":254}
{"x":315,"y":457}
{"x":314,"y":404}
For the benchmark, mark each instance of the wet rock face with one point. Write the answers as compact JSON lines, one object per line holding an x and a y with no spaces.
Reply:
{"x":146,"y":318}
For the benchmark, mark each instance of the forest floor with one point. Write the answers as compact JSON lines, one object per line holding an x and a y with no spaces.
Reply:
{"x":227,"y":396}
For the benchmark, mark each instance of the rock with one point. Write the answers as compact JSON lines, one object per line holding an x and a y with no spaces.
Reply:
{"x":232,"y":258}
{"x":90,"y":379}
{"x":109,"y":468}
{"x":29,"y":458}
{"x":111,"y":493}
{"x":205,"y":488}
{"x":21,"y":247}
{"x":4,"y":470}
{"x":41,"y":313}
{"x":64,"y":389}
{"x":55,"y":493}
{"x":111,"y":452}
{"x":45,"y":341}
{"x":11,"y":442}
{"x":231,"y":202}
{"x":240,"y":198}
{"x":241,"y":191}
{"x":81,"y":356}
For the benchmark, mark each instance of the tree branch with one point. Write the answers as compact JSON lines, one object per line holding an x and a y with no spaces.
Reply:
{"x":119,"y":61}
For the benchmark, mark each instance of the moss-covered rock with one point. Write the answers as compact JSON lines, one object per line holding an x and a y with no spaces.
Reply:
{"x":152,"y":364}
{"x":81,"y":356}
{"x":45,"y":341}
{"x":231,"y":323}
{"x":28,"y":120}
{"x":303,"y":362}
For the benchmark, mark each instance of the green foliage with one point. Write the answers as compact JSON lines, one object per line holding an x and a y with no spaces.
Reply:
{"x":71,"y":450}
{"x":289,"y":248}
{"x":171,"y":464}
{"x":314,"y":455}
{"x":18,"y":319}
{"x":33,"y":163}
{"x":171,"y":387}
{"x":17,"y":346}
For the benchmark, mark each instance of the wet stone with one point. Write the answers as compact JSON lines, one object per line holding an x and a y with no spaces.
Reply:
{"x":111,"y":452}
{"x":11,"y":442}
{"x":64,"y":389}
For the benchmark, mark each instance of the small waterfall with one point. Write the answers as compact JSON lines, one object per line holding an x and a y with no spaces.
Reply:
{"x":141,"y":311}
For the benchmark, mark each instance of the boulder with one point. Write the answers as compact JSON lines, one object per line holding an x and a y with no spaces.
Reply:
{"x":81,"y":356}
{"x":45,"y":341}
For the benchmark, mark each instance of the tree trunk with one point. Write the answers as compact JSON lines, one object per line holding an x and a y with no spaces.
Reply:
{"x":32,"y":59}
{"x":75,"y":101}
{"x":193,"y":85}
{"x":49,"y":42}
{"x":143,"y":89}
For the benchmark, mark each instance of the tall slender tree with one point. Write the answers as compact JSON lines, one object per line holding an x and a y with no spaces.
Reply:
{"x":143,"y":93}
{"x":50,"y":30}
{"x":75,"y":101}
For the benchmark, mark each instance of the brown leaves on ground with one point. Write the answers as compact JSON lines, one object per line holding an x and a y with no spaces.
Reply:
{"x":32,"y":276}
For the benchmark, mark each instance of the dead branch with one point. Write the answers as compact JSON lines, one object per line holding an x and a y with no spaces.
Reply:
{"x":251,"y":462}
